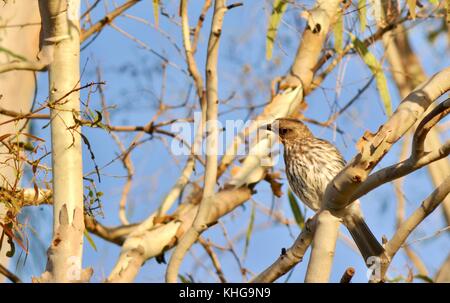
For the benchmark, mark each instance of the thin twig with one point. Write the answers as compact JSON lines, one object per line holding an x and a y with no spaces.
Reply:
{"x":199,"y":25}
{"x":214,"y":259}
{"x":12,"y":277}
{"x":97,"y":27}
{"x":348,"y":275}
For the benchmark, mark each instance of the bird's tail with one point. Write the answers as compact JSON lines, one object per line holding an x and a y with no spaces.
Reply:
{"x":367,"y":244}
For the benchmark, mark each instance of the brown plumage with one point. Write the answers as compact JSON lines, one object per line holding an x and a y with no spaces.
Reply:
{"x":311,"y":163}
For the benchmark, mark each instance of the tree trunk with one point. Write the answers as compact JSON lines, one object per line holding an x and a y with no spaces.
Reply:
{"x":62,"y":32}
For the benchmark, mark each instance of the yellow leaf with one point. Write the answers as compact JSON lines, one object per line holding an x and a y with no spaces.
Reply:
{"x":339,"y":33}
{"x":377,"y":70}
{"x":279,"y":7}
{"x":90,"y":240}
{"x":412,"y":8}
{"x":156,"y":11}
{"x":362,"y":8}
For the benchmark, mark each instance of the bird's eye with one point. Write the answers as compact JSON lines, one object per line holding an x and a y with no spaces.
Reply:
{"x":283,"y":131}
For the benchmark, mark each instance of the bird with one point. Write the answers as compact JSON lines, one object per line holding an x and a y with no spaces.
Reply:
{"x":311,"y":163}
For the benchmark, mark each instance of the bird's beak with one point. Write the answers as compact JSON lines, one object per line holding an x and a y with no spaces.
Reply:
{"x":266,"y":127}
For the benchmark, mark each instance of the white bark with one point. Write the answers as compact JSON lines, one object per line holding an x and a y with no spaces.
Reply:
{"x":143,"y":244}
{"x":61,"y":27}
{"x":323,"y":248}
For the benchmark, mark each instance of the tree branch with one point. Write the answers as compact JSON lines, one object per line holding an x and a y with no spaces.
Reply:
{"x":418,"y":158}
{"x":23,"y":65}
{"x":12,"y":277}
{"x":427,"y":123}
{"x":214,"y":260}
{"x":144,"y":244}
{"x":408,"y":72}
{"x":212,"y":145}
{"x":290,"y":257}
{"x":407,"y":227}
{"x":323,"y":248}
{"x":348,"y":275}
{"x":98,"y":27}
{"x":372,"y":148}
{"x":29,"y":197}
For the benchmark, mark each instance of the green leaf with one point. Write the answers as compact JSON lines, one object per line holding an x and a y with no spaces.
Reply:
{"x":156,"y":11}
{"x":412,"y":8}
{"x":424,"y":278}
{"x":90,"y":240}
{"x":396,"y":279}
{"x":377,"y":70}
{"x":435,"y":2}
{"x":185,"y":279}
{"x":362,"y":8}
{"x":339,"y":33}
{"x":248,"y":235}
{"x":279,"y":7}
{"x":299,"y":218}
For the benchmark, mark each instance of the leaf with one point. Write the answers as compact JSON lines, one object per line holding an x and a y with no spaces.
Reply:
{"x":96,"y":117}
{"x":8,"y":229}
{"x":156,"y":12}
{"x":185,"y":279}
{"x":12,"y":250}
{"x":90,"y":240}
{"x":299,"y":218}
{"x":396,"y":279}
{"x":88,"y":145}
{"x":412,"y":8}
{"x":424,"y":278}
{"x":339,"y":33}
{"x":279,"y":7}
{"x":377,"y":70}
{"x":362,"y":8}
{"x":249,"y":230}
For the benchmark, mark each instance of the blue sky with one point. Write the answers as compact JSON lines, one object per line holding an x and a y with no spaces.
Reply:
{"x":133,"y":83}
